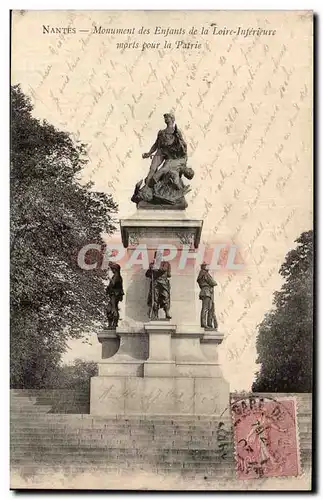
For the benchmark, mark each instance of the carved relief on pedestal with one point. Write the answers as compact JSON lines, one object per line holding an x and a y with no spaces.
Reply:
{"x":135,"y":237}
{"x":186,"y":238}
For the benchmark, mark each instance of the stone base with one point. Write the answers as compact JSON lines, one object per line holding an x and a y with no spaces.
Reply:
{"x":121,"y":367}
{"x":160,"y":349}
{"x":155,"y":226}
{"x":181,"y":205}
{"x":158,"y":396}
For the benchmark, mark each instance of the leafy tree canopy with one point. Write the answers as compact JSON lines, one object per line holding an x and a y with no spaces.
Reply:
{"x":53,"y":215}
{"x":285,"y":336}
{"x":75,"y":376}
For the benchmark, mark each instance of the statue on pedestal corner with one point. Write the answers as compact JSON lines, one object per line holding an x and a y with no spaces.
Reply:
{"x":159,"y":273}
{"x":115,"y":294}
{"x":207,"y":284}
{"x":164,"y":183}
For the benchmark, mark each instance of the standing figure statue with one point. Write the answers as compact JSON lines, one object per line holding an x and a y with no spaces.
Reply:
{"x":115,"y":295}
{"x":207,"y":284}
{"x":169,"y":145}
{"x":159,"y":273}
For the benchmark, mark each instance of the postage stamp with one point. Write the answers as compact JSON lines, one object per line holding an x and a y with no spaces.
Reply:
{"x":265,"y":437}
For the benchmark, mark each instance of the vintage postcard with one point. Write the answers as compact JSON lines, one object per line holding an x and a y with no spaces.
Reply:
{"x":161,"y":250}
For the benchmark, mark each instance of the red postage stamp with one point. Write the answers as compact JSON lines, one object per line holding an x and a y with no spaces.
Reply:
{"x":265,"y":437}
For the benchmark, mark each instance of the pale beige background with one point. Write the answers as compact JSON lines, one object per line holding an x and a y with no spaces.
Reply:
{"x":253,"y":182}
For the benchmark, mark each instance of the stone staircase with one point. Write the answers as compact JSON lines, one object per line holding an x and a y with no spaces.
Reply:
{"x":190,"y":446}
{"x":157,"y":443}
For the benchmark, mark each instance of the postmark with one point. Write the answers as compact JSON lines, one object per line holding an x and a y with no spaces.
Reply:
{"x":265,"y":435}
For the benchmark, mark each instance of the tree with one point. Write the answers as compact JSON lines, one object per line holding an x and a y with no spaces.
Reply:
{"x":74,"y":376}
{"x":53,"y":215}
{"x":285,"y":336}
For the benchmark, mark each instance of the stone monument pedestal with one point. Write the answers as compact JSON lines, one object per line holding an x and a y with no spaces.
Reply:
{"x":159,"y":371}
{"x":160,"y":367}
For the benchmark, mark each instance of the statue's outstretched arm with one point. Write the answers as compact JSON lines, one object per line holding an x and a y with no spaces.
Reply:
{"x":153,"y":148}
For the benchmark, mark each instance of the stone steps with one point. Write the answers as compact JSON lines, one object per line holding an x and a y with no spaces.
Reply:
{"x":172,"y":419}
{"x":25,"y":448}
{"x":188,"y":441}
{"x":154,"y":421}
{"x":118,"y":457}
{"x":123,"y":463}
{"x":30,"y":407}
{"x":118,"y":431}
{"x":182,"y":444}
{"x":96,"y":427}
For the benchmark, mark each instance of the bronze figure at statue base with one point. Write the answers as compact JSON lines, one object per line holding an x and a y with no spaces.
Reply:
{"x":146,"y":205}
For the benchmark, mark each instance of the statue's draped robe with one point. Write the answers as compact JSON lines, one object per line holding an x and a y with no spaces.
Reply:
{"x":159,"y":290}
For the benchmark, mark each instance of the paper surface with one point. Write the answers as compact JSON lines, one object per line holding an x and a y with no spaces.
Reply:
{"x":240,"y":86}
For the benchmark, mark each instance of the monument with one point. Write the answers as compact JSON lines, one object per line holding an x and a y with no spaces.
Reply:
{"x":160,"y":355}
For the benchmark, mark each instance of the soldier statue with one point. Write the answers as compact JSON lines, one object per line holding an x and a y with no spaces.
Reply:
{"x":115,"y":294}
{"x":159,"y":273}
{"x":207,"y":284}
